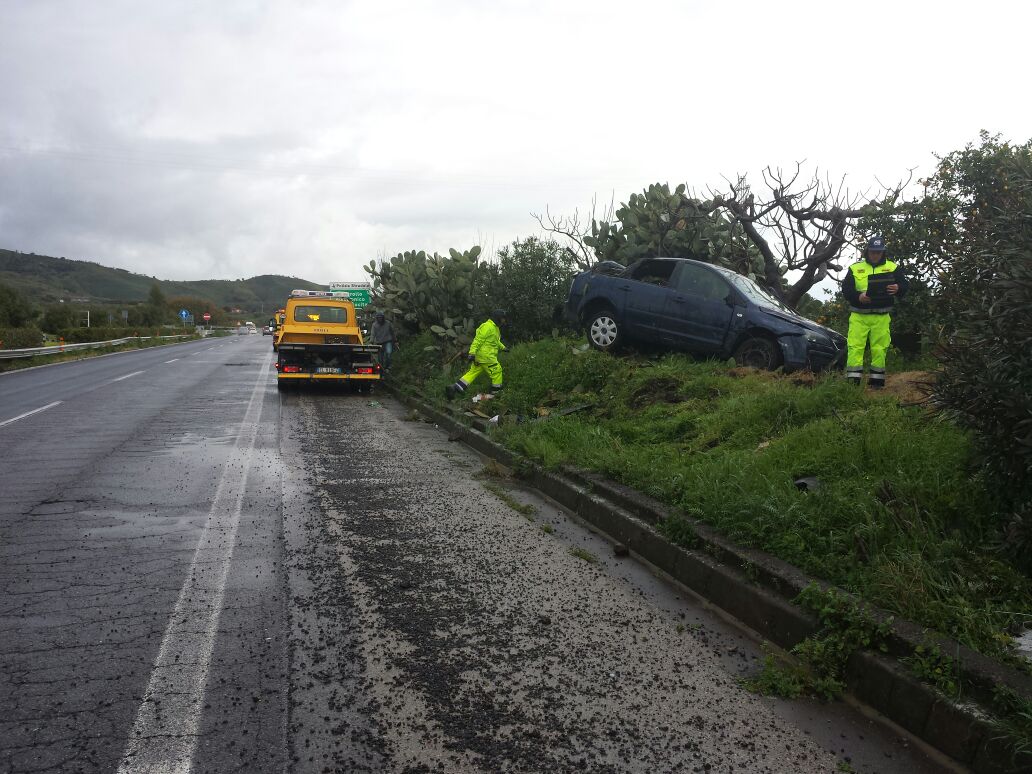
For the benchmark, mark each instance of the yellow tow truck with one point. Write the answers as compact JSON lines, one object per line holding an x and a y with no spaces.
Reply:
{"x":320,"y":341}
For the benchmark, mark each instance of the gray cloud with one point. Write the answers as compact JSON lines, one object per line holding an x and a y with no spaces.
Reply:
{"x":190,"y":140}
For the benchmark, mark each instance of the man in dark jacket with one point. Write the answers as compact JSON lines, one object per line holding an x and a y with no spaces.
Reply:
{"x":382,"y":333}
{"x":871,"y":287}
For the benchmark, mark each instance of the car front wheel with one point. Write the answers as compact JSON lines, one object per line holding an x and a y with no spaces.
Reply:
{"x":758,"y":352}
{"x":603,"y":331}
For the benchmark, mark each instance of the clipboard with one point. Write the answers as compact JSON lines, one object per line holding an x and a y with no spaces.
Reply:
{"x":877,"y":287}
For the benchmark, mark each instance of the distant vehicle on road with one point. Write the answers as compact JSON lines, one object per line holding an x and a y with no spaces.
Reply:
{"x":700,"y":308}
{"x":242,"y":330}
{"x":320,"y":341}
{"x":267,"y":330}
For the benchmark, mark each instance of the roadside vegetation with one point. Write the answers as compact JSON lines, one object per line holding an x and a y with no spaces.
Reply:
{"x":918,"y":500}
{"x":903,"y":514}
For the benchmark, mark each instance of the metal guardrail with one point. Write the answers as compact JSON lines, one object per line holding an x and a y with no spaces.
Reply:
{"x":11,"y":354}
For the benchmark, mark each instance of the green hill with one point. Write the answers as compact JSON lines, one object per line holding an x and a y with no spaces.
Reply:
{"x":45,"y":279}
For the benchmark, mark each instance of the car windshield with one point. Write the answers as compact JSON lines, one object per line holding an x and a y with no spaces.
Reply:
{"x":755,"y":293}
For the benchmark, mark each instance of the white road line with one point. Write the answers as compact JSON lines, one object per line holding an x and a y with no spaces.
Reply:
{"x":30,"y":413}
{"x":172,"y":360}
{"x":164,"y":737}
{"x":120,"y":378}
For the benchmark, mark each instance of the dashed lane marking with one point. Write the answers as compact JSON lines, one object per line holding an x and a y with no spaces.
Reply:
{"x":164,"y":736}
{"x":127,"y":376}
{"x":172,"y":360}
{"x":30,"y":413}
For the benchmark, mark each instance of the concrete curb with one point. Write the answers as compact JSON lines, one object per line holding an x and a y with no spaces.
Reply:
{"x":717,"y":570}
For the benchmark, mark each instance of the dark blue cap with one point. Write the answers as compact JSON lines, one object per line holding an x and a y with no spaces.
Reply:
{"x":876,"y":244}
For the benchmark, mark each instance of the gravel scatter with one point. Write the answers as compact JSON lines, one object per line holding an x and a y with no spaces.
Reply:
{"x":449,"y":633}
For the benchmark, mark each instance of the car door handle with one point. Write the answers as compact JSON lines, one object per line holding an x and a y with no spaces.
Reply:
{"x":623,"y":287}
{"x":680,"y":299}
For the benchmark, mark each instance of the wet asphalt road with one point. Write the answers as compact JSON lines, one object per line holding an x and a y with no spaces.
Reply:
{"x":200,"y":574}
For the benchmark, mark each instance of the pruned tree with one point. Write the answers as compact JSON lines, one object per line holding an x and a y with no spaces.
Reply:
{"x":575,"y":230}
{"x":802,"y":225}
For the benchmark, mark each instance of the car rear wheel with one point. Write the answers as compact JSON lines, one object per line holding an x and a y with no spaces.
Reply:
{"x":603,"y":331}
{"x":758,"y":352}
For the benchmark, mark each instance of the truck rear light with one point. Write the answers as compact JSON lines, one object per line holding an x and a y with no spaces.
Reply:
{"x":365,"y":370}
{"x":289,"y":369}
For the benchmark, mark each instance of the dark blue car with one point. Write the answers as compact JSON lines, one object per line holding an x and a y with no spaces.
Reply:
{"x":698,"y":308}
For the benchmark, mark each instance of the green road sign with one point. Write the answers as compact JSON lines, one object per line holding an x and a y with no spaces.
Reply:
{"x":359,"y":293}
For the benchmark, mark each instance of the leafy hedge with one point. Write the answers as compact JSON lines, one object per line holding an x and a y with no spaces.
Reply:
{"x":986,"y":379}
{"x":20,"y":338}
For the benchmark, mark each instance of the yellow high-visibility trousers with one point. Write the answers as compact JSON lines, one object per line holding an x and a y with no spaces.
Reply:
{"x":864,"y":328}
{"x":490,"y":367}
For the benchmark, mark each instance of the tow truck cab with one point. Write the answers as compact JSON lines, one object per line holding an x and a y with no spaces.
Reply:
{"x":320,"y":340}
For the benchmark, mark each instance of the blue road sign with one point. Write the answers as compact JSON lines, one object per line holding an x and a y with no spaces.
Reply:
{"x":184,"y":314}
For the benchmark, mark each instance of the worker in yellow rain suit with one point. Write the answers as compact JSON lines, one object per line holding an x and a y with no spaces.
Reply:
{"x":483,"y":355}
{"x":871,"y":287}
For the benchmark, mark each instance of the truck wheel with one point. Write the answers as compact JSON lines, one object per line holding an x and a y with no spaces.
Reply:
{"x":758,"y":352}
{"x":603,"y":330}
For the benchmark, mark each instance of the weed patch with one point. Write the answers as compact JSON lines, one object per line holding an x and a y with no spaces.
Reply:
{"x":524,"y":509}
{"x":583,"y":553}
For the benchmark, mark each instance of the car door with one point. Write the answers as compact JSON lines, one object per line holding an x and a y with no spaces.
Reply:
{"x":647,"y":292}
{"x":697,"y":314}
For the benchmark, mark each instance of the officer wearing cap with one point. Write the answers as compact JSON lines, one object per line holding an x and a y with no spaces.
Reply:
{"x":871,"y":287}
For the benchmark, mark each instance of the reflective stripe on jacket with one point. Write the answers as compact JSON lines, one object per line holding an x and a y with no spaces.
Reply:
{"x":856,"y":281}
{"x":486,"y":343}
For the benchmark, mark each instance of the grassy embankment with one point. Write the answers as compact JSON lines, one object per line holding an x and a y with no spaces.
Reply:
{"x":81,"y":354}
{"x":902,"y":518}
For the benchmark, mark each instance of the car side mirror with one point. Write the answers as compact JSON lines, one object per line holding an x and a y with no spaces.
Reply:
{"x":729,"y":299}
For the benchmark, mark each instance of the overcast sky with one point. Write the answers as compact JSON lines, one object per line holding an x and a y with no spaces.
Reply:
{"x":191,"y":140}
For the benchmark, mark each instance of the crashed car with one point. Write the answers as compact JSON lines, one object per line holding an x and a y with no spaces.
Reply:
{"x":699,"y":308}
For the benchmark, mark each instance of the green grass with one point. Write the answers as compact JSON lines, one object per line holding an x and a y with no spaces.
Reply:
{"x":524,"y":509}
{"x":583,"y":553}
{"x":903,"y":518}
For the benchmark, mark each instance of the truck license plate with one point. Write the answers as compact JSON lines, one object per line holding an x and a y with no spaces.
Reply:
{"x":329,"y":370}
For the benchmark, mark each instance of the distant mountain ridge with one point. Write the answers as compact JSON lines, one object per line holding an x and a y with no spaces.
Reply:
{"x":50,"y":279}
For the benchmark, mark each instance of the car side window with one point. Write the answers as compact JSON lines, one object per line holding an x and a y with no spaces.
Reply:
{"x":699,"y":281}
{"x":655,"y":272}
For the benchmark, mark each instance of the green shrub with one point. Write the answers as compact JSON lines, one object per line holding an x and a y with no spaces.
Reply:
{"x":16,"y":311}
{"x":986,"y":379}
{"x":20,"y":338}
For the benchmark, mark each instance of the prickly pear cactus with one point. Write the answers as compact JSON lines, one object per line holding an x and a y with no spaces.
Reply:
{"x":431,"y":292}
{"x":661,"y":222}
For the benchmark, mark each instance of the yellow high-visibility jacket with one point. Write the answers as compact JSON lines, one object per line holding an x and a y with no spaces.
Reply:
{"x":486,"y":343}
